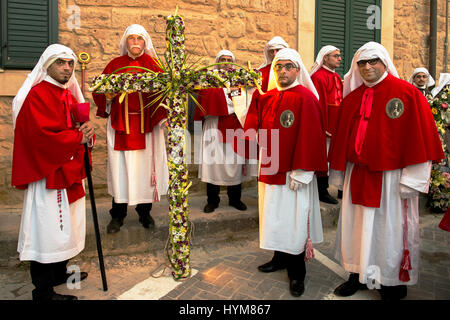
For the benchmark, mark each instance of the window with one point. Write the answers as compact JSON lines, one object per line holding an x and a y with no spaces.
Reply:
{"x":347,"y":24}
{"x":27,"y":28}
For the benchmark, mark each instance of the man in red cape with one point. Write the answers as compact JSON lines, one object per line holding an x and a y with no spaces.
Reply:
{"x":220,"y":165}
{"x":329,"y":86}
{"x":270,"y":50}
{"x":292,"y":147}
{"x":385,"y":143}
{"x":137,"y":162}
{"x":48,"y":162}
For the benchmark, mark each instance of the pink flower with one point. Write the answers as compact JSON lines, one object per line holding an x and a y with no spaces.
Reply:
{"x":444,"y":105}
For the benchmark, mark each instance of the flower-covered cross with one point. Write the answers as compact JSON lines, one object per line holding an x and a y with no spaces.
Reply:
{"x":173,"y":85}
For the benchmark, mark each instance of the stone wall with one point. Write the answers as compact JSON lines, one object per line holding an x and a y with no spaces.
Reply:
{"x":411,"y":36}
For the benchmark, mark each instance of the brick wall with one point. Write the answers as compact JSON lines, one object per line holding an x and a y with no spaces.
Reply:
{"x":411,"y":36}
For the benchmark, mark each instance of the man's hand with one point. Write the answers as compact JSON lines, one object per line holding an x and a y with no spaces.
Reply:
{"x":328,"y":134}
{"x":110,"y":95}
{"x":88,"y":132}
{"x":294,"y":184}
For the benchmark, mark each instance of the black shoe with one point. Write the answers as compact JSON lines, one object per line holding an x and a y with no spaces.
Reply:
{"x":393,"y":293}
{"x":146,"y":220}
{"x":83,"y":275}
{"x":238,"y":205}
{"x":53,"y":296}
{"x":210,"y":207}
{"x":63,"y":297}
{"x":339,"y":195}
{"x":114,"y":225}
{"x":271,"y":266}
{"x":296,"y":287}
{"x":325,"y":197}
{"x":350,"y":287}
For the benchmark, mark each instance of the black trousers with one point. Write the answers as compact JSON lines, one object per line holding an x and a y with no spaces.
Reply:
{"x":322,"y":184}
{"x":119,"y":210}
{"x":295,"y":264}
{"x":212,"y":192}
{"x":44,"y":275}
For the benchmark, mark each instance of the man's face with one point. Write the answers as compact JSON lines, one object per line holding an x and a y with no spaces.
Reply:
{"x":225,"y":59}
{"x":61,"y":70}
{"x":333,"y":59}
{"x":135,"y":44}
{"x":371,"y":70}
{"x":420,"y":79}
{"x":286,"y":72}
{"x":272,"y":53}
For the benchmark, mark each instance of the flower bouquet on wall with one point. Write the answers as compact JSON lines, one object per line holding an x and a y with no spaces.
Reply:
{"x":439,"y":193}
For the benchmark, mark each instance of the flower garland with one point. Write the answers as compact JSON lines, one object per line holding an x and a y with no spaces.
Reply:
{"x":172,"y":86}
{"x":439,"y":193}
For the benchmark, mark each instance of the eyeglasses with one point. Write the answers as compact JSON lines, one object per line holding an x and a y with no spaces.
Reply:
{"x":288,"y":67}
{"x":336,"y":56}
{"x":421,"y":76}
{"x":372,"y":62}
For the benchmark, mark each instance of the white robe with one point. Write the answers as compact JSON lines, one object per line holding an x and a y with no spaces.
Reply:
{"x":369,"y":241}
{"x":41,"y":238}
{"x":130,"y":171}
{"x":283,"y":216}
{"x":219,"y":164}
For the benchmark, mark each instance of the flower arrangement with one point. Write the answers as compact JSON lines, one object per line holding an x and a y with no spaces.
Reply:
{"x":172,"y":86}
{"x":439,"y":193}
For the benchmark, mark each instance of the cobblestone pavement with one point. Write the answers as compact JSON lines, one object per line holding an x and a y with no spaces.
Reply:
{"x":227,"y":270}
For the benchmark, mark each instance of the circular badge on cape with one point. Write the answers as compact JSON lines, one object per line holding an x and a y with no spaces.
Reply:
{"x":287,"y":118}
{"x":395,"y":108}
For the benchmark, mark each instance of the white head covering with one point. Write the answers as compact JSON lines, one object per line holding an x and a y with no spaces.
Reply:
{"x":50,"y":55}
{"x":303,"y":77}
{"x":138,"y":30}
{"x":223,"y":53}
{"x":370,"y":50}
{"x":319,"y":59}
{"x":444,"y":79}
{"x":430,"y":81}
{"x":275,"y":43}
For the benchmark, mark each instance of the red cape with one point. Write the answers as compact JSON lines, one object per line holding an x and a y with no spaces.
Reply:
{"x":389,"y":144}
{"x":300,"y":146}
{"x":265,"y":73}
{"x":329,"y":86}
{"x":214,"y":103}
{"x":44,"y":145}
{"x":135,"y":140}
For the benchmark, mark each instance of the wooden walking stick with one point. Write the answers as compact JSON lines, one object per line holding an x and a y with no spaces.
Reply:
{"x":84,"y":59}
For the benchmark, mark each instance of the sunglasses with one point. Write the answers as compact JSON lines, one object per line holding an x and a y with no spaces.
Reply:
{"x":288,"y":67}
{"x":372,"y":62}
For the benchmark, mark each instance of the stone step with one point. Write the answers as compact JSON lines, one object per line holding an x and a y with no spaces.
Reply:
{"x":133,"y":238}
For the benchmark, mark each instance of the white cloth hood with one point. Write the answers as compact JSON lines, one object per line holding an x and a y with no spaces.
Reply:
{"x":138,"y":30}
{"x":275,"y":43}
{"x":430,"y":81}
{"x":39,"y":72}
{"x":370,"y":50}
{"x":224,"y":53}
{"x":319,"y":59}
{"x":303,"y":77}
{"x":444,"y":79}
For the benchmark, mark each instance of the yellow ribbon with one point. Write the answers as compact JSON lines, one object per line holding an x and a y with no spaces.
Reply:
{"x":127,"y":121}
{"x":141,"y":102}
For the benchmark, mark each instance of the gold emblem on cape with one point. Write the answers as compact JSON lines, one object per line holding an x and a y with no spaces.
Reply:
{"x":287,"y":118}
{"x":395,"y":108}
